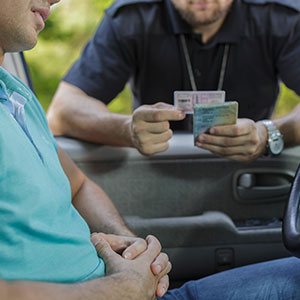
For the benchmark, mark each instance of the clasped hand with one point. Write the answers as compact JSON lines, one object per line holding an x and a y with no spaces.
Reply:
{"x":122,"y":253}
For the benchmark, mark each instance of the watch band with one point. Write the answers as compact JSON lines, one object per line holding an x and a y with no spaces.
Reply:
{"x":270,"y":126}
{"x":275,"y":139}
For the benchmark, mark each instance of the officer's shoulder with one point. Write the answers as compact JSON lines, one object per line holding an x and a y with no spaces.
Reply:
{"x":118,"y":4}
{"x":293,"y":4}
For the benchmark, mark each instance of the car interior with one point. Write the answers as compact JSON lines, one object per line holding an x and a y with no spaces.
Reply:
{"x":209,"y":213}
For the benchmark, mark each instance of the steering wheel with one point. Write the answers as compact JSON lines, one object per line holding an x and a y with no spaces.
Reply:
{"x":291,"y":220}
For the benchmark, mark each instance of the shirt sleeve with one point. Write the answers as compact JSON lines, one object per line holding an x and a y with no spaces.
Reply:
{"x":288,"y":54}
{"x":106,"y":63}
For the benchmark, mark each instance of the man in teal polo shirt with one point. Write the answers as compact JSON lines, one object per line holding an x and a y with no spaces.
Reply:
{"x":48,"y":208}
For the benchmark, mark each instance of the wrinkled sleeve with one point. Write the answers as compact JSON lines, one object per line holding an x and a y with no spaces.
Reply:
{"x":288,"y":54}
{"x":106,"y":63}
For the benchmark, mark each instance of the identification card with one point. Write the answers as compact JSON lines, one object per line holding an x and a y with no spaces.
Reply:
{"x":186,"y":100}
{"x":209,"y":115}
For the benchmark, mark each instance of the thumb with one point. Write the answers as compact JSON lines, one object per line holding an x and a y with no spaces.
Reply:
{"x":102,"y":247}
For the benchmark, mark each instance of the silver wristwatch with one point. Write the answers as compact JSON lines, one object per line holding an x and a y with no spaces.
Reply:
{"x":275,"y":138}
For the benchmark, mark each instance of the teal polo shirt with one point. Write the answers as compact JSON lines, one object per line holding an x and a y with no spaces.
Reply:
{"x":42,"y":236}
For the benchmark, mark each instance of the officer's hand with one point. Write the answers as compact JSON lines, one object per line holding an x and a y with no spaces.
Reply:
{"x":150,"y":127}
{"x":244,"y":141}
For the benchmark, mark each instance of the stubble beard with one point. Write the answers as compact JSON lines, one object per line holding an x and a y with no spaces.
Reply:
{"x":194,"y":22}
{"x":16,"y":37}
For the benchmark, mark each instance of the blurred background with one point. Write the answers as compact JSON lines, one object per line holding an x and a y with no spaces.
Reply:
{"x":71,"y":24}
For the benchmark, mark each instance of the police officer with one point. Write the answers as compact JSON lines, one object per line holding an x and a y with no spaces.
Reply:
{"x":241,"y":46}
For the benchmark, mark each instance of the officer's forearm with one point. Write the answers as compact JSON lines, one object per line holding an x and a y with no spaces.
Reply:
{"x":75,"y":114}
{"x":289,"y":126}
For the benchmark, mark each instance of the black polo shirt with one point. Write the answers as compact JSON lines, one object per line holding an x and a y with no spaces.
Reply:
{"x":138,"y":41}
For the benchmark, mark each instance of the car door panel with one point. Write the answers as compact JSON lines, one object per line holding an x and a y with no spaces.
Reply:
{"x":207,"y":216}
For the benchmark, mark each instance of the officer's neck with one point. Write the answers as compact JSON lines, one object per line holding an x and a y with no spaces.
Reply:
{"x":210,"y":30}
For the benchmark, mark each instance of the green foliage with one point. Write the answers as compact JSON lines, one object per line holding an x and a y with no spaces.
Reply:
{"x":287,"y":101}
{"x":70,"y":25}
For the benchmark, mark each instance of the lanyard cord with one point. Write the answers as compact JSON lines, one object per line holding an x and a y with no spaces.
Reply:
{"x":223,"y":67}
{"x":190,"y":69}
{"x":188,"y":62}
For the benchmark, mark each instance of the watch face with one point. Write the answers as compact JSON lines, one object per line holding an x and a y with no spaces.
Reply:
{"x":276,"y":146}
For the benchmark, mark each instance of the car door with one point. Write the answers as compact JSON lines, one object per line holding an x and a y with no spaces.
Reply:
{"x":209,"y":213}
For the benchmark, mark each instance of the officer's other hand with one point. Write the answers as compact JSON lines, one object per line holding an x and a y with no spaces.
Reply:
{"x":244,"y":141}
{"x":150,"y":127}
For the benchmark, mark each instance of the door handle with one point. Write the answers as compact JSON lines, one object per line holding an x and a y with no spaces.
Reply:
{"x":261,"y":192}
{"x":262,"y":185}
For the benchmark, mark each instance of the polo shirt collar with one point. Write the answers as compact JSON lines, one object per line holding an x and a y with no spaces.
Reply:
{"x":230,"y":31}
{"x":3,"y":95}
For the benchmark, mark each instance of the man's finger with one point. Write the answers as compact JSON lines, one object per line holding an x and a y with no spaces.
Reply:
{"x":160,"y":263}
{"x":242,"y":127}
{"x":162,"y":105}
{"x":225,"y":141}
{"x":117,"y":243}
{"x":152,"y":127}
{"x":162,"y":286}
{"x":159,"y":115}
{"x":153,"y":244}
{"x":166,"y":270}
{"x":103,"y":248}
{"x":155,"y":138}
{"x":134,"y":250}
{"x":228,"y":152}
{"x":153,"y":248}
{"x":155,"y":148}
